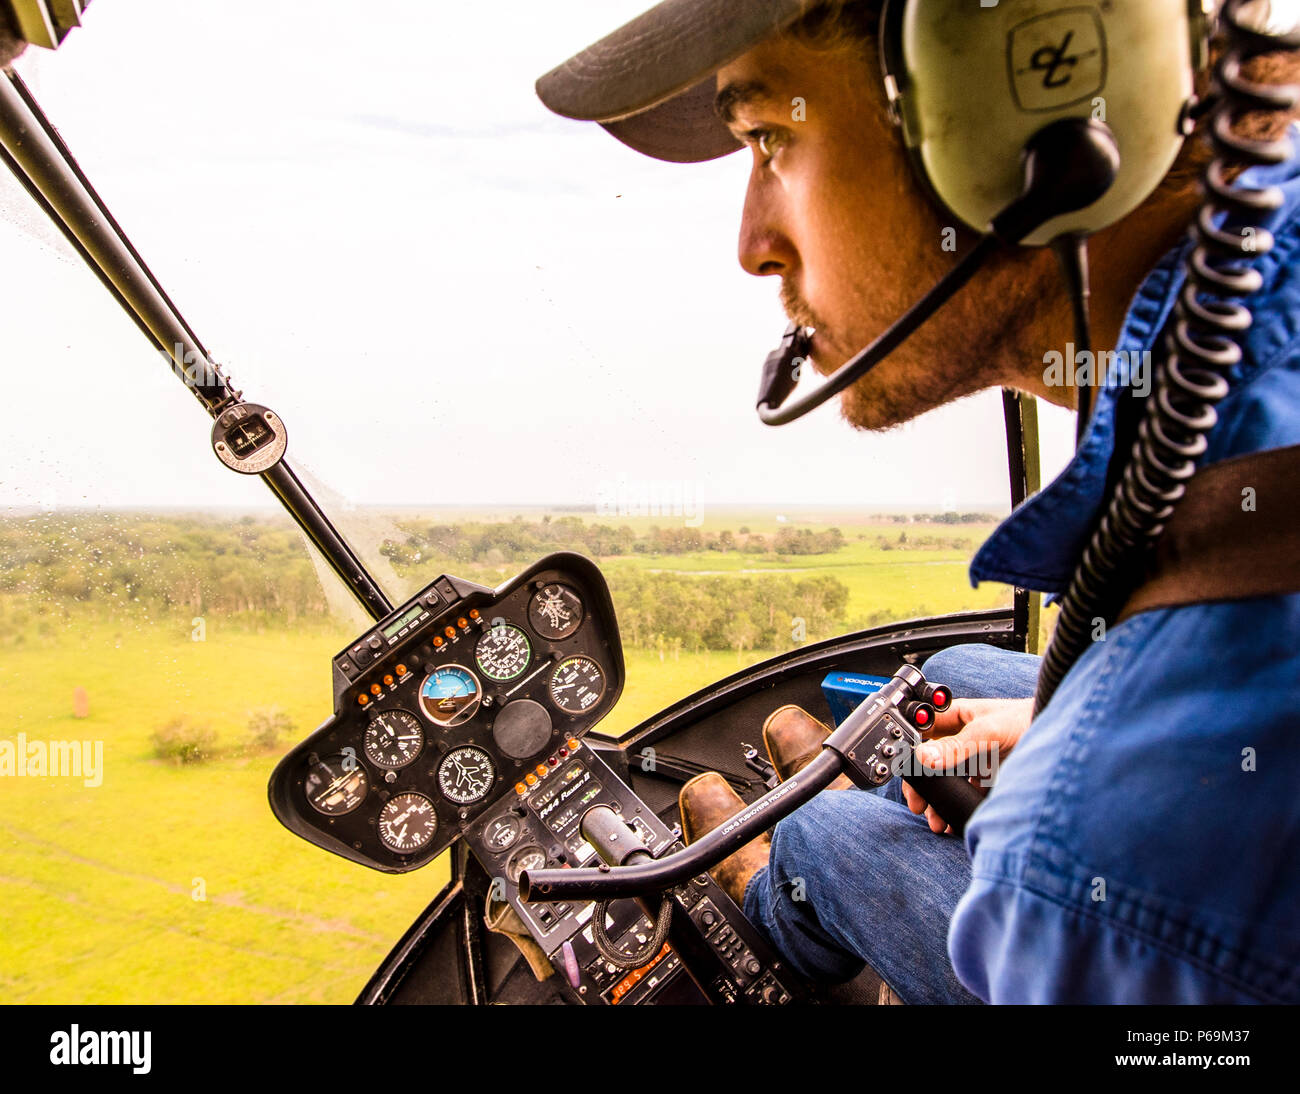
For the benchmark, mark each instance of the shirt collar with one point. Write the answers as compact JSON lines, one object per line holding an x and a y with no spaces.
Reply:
{"x":1038,"y":546}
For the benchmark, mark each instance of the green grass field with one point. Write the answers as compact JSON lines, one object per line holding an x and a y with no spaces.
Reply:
{"x":98,"y":885}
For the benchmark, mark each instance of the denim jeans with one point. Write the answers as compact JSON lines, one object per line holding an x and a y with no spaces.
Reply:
{"x":856,"y":878}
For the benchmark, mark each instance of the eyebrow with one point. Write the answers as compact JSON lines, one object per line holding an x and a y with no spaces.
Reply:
{"x":740,"y":93}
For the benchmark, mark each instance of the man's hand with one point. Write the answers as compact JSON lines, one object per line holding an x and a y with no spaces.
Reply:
{"x":966,"y":729}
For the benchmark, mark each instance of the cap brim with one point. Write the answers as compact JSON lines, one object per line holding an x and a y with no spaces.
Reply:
{"x":683,"y":129}
{"x":650,"y":83}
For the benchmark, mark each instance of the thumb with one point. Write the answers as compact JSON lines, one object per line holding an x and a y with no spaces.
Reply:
{"x":944,"y":753}
{"x":978,"y":746}
{"x":990,"y":733}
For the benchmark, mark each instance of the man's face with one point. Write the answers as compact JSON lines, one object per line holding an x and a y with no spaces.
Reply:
{"x":834,"y":210}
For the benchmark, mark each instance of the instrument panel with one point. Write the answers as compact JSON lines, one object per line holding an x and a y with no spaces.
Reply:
{"x":461,"y":698}
{"x":543,"y":828}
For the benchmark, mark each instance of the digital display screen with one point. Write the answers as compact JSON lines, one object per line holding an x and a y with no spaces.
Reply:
{"x":403,"y":621}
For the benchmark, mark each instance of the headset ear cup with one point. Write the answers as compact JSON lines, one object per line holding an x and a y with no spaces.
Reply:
{"x":972,"y":86}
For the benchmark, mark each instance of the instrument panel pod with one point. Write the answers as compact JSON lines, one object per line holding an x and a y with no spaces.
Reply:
{"x":448,"y":705}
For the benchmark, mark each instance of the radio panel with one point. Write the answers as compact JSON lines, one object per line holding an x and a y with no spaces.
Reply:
{"x":459,"y":698}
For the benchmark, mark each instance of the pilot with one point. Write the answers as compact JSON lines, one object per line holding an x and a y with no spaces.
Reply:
{"x":1140,"y":842}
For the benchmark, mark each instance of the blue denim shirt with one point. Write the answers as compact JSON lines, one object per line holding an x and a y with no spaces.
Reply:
{"x":1142,"y":843}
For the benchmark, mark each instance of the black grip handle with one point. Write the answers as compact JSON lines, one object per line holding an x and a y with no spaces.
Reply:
{"x":954,"y":797}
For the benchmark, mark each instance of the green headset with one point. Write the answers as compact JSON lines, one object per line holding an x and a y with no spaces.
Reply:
{"x":970,"y":84}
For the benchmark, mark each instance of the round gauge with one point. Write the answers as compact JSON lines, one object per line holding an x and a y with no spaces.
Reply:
{"x":500,"y":834}
{"x":335,"y":786}
{"x":526,"y":858}
{"x":577,"y":684}
{"x":555,"y":611}
{"x":393,"y":738}
{"x":450,"y":695}
{"x":407,"y":822}
{"x":503,"y":652}
{"x":465,"y":775}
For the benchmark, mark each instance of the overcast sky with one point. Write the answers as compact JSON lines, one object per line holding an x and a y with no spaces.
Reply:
{"x":450,"y":295}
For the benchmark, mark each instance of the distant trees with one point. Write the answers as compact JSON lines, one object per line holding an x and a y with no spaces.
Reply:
{"x":258,"y":569}
{"x":725,"y":612}
{"x":804,"y":541}
{"x":161,"y":564}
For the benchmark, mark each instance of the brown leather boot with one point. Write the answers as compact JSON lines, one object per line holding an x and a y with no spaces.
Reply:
{"x":793,"y":739}
{"x":705,"y":802}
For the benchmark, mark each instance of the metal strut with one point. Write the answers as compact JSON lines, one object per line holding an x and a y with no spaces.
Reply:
{"x":36,"y":154}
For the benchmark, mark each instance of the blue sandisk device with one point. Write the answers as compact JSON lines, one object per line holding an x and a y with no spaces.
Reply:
{"x":845,"y":690}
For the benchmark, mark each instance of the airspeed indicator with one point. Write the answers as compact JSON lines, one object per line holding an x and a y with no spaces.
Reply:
{"x":503,"y":652}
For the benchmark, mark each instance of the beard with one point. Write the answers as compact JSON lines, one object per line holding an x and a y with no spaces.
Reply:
{"x":963,"y":348}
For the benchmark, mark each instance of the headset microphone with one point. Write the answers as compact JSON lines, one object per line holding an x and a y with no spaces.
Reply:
{"x":1067,"y":166}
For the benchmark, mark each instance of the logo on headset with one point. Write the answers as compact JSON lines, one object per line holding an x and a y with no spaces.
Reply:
{"x":1057,"y":60}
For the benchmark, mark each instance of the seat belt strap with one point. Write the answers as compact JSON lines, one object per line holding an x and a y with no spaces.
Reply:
{"x":1235,"y":534}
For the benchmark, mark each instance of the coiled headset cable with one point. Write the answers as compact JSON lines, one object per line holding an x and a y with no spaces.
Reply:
{"x":1201,"y":348}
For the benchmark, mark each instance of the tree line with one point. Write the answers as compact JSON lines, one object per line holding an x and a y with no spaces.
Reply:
{"x":520,"y":540}
{"x":258,"y":569}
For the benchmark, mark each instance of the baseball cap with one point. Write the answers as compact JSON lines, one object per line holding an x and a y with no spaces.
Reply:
{"x":651,"y":82}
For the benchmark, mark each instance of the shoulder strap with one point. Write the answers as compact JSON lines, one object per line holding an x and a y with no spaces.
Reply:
{"x":1235,"y":534}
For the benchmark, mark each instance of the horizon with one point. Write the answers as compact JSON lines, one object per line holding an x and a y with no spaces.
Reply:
{"x":738,"y":508}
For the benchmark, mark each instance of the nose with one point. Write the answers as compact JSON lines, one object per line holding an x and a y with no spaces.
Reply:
{"x":765,"y":248}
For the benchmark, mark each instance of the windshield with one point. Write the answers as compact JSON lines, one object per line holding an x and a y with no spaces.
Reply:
{"x":492,"y":335}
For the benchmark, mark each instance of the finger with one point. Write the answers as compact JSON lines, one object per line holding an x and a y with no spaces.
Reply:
{"x":946,"y":753}
{"x":937,"y":823}
{"x":941,"y":754}
{"x":915,"y":802}
{"x":959,"y":712}
{"x":964,"y":711}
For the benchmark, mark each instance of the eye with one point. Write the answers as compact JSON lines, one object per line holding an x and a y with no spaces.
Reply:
{"x":767,"y":141}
